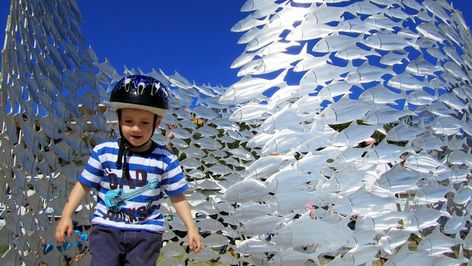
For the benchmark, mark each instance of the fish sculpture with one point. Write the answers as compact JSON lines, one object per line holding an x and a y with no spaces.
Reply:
{"x":346,"y":140}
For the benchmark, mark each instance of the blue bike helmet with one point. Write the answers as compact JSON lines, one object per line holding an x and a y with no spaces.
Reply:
{"x":140,"y":92}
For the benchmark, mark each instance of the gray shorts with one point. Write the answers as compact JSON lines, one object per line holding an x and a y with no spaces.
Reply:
{"x":113,"y":246}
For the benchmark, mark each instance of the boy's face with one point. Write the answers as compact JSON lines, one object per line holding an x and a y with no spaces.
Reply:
{"x":137,"y":125}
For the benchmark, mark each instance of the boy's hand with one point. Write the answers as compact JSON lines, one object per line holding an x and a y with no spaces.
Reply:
{"x":194,"y":241}
{"x":63,"y":228}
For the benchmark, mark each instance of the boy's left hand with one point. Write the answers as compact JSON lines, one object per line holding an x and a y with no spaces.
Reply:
{"x":194,"y":241}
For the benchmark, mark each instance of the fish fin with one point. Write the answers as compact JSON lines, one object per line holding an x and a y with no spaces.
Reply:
{"x":303,"y":52}
{"x":280,"y":78}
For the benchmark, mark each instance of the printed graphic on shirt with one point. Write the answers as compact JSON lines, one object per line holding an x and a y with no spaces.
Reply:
{"x":137,"y":186}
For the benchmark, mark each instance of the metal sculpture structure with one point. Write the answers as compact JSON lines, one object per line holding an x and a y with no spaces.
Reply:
{"x":345,"y":142}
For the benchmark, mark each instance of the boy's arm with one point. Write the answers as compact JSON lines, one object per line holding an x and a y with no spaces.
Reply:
{"x":183,"y":210}
{"x":78,"y":193}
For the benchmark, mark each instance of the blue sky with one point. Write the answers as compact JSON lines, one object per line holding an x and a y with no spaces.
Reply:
{"x":191,"y":37}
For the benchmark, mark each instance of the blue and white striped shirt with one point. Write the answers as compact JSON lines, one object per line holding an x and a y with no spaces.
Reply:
{"x":143,"y":211}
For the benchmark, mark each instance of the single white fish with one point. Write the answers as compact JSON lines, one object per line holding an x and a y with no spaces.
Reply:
{"x":459,"y":157}
{"x":424,"y":163}
{"x":468,"y":241}
{"x":271,"y":35}
{"x":277,"y":47}
{"x":456,"y":224}
{"x":259,"y":139}
{"x":248,"y":88}
{"x":209,"y":225}
{"x":243,"y":59}
{"x":215,"y":240}
{"x":248,"y":23}
{"x":249,"y":112}
{"x":334,"y":89}
{"x":452,"y":53}
{"x":290,"y":256}
{"x":284,"y":141}
{"x":285,"y":95}
{"x":319,"y":72}
{"x":387,"y":153}
{"x":393,"y":239}
{"x":268,"y":165}
{"x":307,"y":104}
{"x":206,"y":254}
{"x":381,"y":222}
{"x":394,"y":57}
{"x":320,"y":135}
{"x":271,"y":63}
{"x":355,"y":25}
{"x":284,"y":119}
{"x":437,"y":243}
{"x":454,"y":143}
{"x":431,"y":193}
{"x":314,"y":160}
{"x":384,"y":116}
{"x":456,"y":70}
{"x":421,"y":67}
{"x":421,"y":97}
{"x":306,"y":31}
{"x":288,"y":202}
{"x":252,"y":210}
{"x":438,"y":11}
{"x":256,"y":246}
{"x":358,"y":255}
{"x":399,"y":179}
{"x":334,"y":42}
{"x":364,"y":202}
{"x":424,"y":217}
{"x":343,"y":181}
{"x":455,"y":175}
{"x":310,"y":61}
{"x":387,"y":41}
{"x":364,"y":9}
{"x":290,"y":178}
{"x":453,"y":101}
{"x":380,"y":94}
{"x":245,"y":190}
{"x":403,"y":132}
{"x":343,"y":111}
{"x":367,"y":73}
{"x":395,"y":12}
{"x":406,"y":81}
{"x":382,"y":22}
{"x":266,"y":224}
{"x":288,"y":16}
{"x":463,"y":195}
{"x":353,"y":134}
{"x":428,"y":141}
{"x":251,"y":5}
{"x":178,"y":80}
{"x":306,"y":232}
{"x":355,"y":52}
{"x":429,"y":30}
{"x":406,"y":257}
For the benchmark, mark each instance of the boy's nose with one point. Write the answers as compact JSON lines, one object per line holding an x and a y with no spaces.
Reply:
{"x":135,"y":128}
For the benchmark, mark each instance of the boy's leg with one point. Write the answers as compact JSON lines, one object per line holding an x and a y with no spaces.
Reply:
{"x":105,"y":246}
{"x":142,"y":247}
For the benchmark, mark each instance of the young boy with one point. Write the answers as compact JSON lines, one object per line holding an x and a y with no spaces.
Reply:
{"x":131,"y":175}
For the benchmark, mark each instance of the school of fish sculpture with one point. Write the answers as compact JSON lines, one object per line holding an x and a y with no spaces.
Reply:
{"x":345,"y":142}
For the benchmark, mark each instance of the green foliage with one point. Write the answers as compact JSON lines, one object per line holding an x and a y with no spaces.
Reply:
{"x":3,"y":249}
